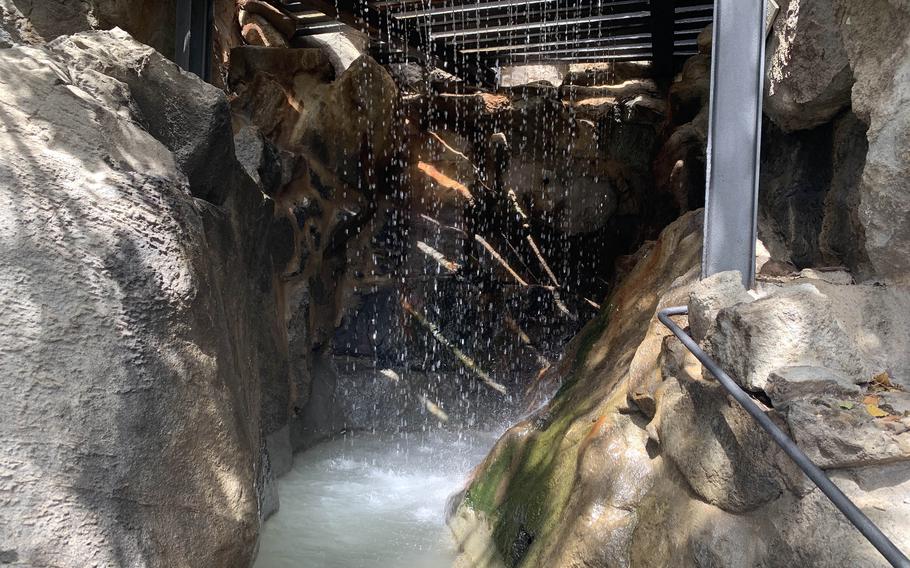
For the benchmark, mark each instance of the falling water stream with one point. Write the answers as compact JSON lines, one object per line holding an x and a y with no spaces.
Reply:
{"x":371,"y":501}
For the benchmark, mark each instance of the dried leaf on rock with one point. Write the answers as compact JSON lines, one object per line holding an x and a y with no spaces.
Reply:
{"x":875,"y":411}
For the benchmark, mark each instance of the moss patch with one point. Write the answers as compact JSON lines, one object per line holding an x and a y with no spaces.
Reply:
{"x":536,"y":477}
{"x":589,"y":335}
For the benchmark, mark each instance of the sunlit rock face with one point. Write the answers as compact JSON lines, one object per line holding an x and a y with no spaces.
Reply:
{"x":809,"y":78}
{"x":560,"y":489}
{"x":834,"y":174}
{"x":641,"y":459}
{"x":151,"y":22}
{"x":881,"y":67}
{"x":135,"y":294}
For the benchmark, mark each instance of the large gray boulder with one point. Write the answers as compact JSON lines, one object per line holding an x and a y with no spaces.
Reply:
{"x":726,"y":459}
{"x":841,"y":185}
{"x":152,"y":22}
{"x":131,"y":351}
{"x":712,"y":294}
{"x":792,"y":327}
{"x":192,"y":128}
{"x":876,"y":36}
{"x":809,"y":76}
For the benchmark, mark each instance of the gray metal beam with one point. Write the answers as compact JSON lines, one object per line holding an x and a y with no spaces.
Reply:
{"x":641,"y":48}
{"x":515,"y":47}
{"x":734,"y":138}
{"x":540,"y":25}
{"x":600,"y":31}
{"x":473,"y":7}
{"x":193,"y":38}
{"x":512,"y":8}
{"x":576,"y":58}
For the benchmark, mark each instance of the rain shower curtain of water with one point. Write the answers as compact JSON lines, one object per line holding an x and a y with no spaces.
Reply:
{"x":371,"y":501}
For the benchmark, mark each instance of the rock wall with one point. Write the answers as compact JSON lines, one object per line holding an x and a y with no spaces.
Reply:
{"x":641,"y":459}
{"x":151,"y":22}
{"x":558,"y":488}
{"x":434,"y":252}
{"x":833,"y":94}
{"x":137,"y":292}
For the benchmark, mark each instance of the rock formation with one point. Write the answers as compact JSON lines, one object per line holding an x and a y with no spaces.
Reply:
{"x":424,"y":200}
{"x":134,"y":264}
{"x":641,"y":459}
{"x":830,"y":81}
{"x":199,"y":280}
{"x":151,"y":22}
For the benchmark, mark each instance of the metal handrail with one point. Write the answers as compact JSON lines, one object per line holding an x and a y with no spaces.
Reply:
{"x":869,"y":529}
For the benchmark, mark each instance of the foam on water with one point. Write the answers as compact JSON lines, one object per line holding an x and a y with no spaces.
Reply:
{"x":371,"y":501}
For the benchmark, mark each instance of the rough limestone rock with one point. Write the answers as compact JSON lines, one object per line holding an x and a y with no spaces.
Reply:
{"x":530,"y":74}
{"x":874,"y":317}
{"x":795,"y":178}
{"x":709,"y":296}
{"x":794,"y":326}
{"x":338,"y":166}
{"x":342,"y":48}
{"x":875,"y":36}
{"x":190,"y":127}
{"x":560,"y":489}
{"x":131,"y":357}
{"x":44,"y":20}
{"x":837,"y":437}
{"x":627,"y":89}
{"x":679,"y":168}
{"x":641,"y":461}
{"x":841,"y":277}
{"x":410,"y":77}
{"x":257,"y":30}
{"x":725,"y":458}
{"x":151,"y":22}
{"x":842,"y":238}
{"x":790,"y":383}
{"x":809,"y":206}
{"x":15,"y":28}
{"x":809,"y":77}
{"x":279,"y":19}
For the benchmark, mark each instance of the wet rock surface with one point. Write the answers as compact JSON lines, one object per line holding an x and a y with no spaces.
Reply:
{"x":705,"y":485}
{"x":393,"y":248}
{"x":571,"y":474}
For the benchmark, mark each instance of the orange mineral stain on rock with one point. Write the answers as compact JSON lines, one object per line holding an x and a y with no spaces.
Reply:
{"x":445,"y":181}
{"x":592,"y":433}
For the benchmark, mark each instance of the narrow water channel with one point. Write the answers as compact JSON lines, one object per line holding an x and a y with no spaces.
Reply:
{"x":371,"y":501}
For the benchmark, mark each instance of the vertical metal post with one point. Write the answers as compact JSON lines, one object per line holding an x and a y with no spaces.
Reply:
{"x":734,"y":137}
{"x":194,"y":38}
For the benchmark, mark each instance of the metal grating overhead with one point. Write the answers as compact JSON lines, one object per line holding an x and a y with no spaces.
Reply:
{"x":471,"y":38}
